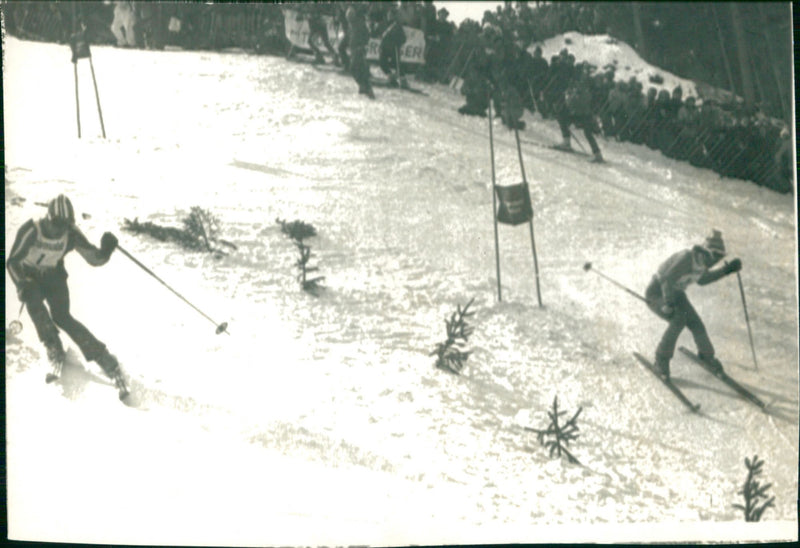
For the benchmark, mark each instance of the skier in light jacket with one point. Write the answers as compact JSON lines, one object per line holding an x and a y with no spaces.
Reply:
{"x":36,"y":266}
{"x":666,"y":296}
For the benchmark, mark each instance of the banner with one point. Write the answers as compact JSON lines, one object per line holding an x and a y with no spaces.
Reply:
{"x":515,"y":204}
{"x":413,"y":51}
{"x":297,"y":32}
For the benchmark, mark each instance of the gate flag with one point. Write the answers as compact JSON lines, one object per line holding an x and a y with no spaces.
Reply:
{"x":515,"y":204}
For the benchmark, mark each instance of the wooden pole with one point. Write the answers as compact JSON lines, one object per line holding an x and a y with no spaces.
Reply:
{"x":743,"y":55}
{"x":784,"y":107}
{"x":725,"y":62}
{"x":77,"y":101}
{"x":530,"y":222}
{"x":97,"y":98}
{"x":494,"y":201}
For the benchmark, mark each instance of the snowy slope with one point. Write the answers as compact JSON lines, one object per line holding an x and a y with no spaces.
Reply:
{"x":323,"y":420}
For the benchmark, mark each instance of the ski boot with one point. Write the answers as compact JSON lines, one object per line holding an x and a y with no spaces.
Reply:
{"x":713,"y":363}
{"x":597,"y":158}
{"x":564,"y":145}
{"x":662,"y":366}
{"x":56,"y":356}
{"x":110,"y":366}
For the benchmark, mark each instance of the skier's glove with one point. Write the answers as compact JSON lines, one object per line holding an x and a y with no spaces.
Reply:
{"x":25,"y":290}
{"x":667,"y":310}
{"x":108,"y":243}
{"x":733,"y":266}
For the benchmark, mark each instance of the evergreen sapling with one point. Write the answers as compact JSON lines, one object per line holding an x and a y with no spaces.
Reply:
{"x":451,"y":354}
{"x":200,"y":232}
{"x":559,"y":435}
{"x":753,"y":492}
{"x":298,"y":231}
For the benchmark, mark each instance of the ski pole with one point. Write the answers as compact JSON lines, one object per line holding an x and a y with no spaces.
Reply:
{"x":747,"y":319}
{"x":577,"y":140}
{"x":15,"y":327}
{"x":77,"y":100}
{"x":588,"y":266}
{"x":221,"y":328}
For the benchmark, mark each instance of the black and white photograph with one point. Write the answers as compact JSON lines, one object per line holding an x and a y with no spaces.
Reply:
{"x":400,"y":273}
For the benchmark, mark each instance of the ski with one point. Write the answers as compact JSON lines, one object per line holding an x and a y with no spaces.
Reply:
{"x":694,"y":407}
{"x":123,"y":392}
{"x":384,"y":84}
{"x":724,"y":377}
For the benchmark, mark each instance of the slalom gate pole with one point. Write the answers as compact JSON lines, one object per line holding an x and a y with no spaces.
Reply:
{"x":223,"y":327}
{"x":466,"y":63}
{"x":530,"y":222}
{"x":494,"y":200}
{"x":77,"y":100}
{"x":97,"y":97}
{"x":397,"y":62}
{"x":588,"y":266}
{"x":455,"y":58}
{"x":747,"y":319}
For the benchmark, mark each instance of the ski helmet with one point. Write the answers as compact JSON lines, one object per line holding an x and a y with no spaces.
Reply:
{"x":714,"y":244}
{"x":60,"y":210}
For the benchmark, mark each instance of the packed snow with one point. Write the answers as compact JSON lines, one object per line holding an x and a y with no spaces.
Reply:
{"x":323,"y":420}
{"x":603,"y":51}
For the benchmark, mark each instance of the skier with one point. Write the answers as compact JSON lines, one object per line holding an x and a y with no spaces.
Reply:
{"x":318,"y":29}
{"x":36,"y":266}
{"x":576,"y":109}
{"x":358,"y":34}
{"x":666,"y":296}
{"x":392,"y":39}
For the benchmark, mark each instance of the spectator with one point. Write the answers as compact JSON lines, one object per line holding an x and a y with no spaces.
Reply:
{"x":613,"y":117}
{"x":341,"y":21}
{"x":444,"y":31}
{"x":152,"y":24}
{"x":392,"y":39}
{"x":427,"y":17}
{"x":123,"y":24}
{"x":476,"y":86}
{"x":688,"y":124}
{"x":538,"y":69}
{"x":359,"y":38}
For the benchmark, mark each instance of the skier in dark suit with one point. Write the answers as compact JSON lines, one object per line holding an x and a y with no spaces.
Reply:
{"x":36,"y":266}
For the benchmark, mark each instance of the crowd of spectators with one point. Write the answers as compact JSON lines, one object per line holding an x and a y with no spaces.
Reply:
{"x":731,"y":139}
{"x":493,"y":57}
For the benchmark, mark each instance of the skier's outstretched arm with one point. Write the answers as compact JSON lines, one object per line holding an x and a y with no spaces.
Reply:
{"x":712,"y":276}
{"x":91,"y":254}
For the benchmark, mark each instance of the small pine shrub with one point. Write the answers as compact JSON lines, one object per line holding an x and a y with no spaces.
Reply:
{"x":753,"y":492}
{"x":200,"y":232}
{"x":557,"y":436}
{"x":451,"y":354}
{"x":298,"y":231}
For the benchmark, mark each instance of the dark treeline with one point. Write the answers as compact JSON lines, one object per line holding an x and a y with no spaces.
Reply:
{"x":738,"y":53}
